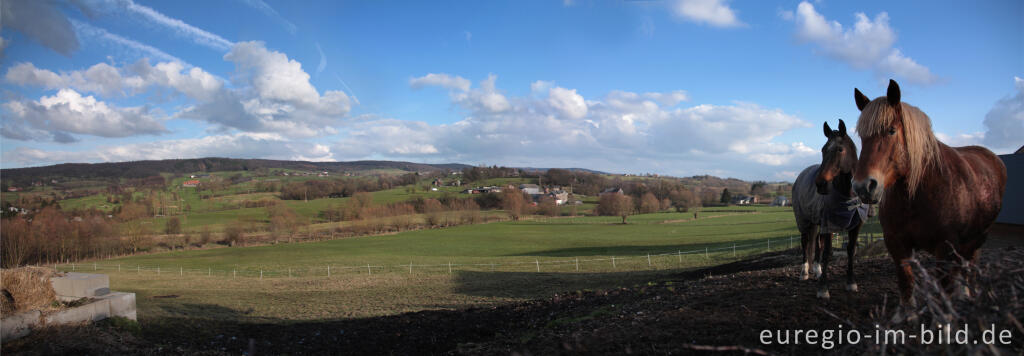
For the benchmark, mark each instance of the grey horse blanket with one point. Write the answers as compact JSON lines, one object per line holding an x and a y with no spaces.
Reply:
{"x":835,"y":212}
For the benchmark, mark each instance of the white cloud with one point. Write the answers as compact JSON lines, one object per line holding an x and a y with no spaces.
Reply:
{"x":271,"y":93}
{"x":442,"y":80}
{"x":239,"y":145}
{"x":1004,"y":123}
{"x":867,"y":45}
{"x":567,"y":102}
{"x":68,"y":112}
{"x":555,"y":126}
{"x":41,"y":21}
{"x":712,"y":12}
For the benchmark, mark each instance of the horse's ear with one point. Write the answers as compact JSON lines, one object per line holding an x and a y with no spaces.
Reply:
{"x":893,"y":93}
{"x":842,"y":127}
{"x":828,"y":130}
{"x":862,"y":100}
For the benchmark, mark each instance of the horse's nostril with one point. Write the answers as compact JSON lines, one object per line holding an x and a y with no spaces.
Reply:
{"x":872,"y":184}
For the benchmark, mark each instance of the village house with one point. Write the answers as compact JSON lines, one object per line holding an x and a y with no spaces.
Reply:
{"x":611,"y":191}
{"x":190,"y":183}
{"x":780,"y":200}
{"x":530,"y":189}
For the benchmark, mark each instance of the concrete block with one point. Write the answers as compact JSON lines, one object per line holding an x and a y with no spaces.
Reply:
{"x":74,"y":285}
{"x":18,"y":325}
{"x":122,"y":304}
{"x":97,"y":310}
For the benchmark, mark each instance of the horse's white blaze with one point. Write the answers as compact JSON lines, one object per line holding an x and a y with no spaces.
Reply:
{"x":851,"y":287}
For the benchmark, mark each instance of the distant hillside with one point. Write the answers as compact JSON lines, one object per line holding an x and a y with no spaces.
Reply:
{"x":141,"y":169}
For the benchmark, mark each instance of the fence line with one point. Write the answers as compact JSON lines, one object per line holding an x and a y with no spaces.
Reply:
{"x":370,"y":269}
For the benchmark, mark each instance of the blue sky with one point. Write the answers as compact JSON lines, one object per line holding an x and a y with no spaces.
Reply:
{"x":681,"y":87}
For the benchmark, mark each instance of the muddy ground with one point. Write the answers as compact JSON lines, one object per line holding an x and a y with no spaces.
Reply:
{"x":722,"y":308}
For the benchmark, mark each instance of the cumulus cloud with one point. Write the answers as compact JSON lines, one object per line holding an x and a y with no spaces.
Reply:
{"x":712,"y":12}
{"x":272,"y":93}
{"x":1004,"y":123}
{"x":868,"y":45}
{"x":68,"y":112}
{"x":441,"y":80}
{"x":240,"y":145}
{"x":40,"y":21}
{"x":557,"y":126}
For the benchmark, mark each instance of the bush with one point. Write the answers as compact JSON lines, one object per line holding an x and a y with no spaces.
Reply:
{"x":173,"y":226}
{"x":234,"y":234}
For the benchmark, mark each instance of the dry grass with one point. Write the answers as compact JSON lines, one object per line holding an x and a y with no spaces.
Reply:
{"x":26,"y":288}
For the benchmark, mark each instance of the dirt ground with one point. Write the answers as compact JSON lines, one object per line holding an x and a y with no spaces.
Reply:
{"x":722,"y":308}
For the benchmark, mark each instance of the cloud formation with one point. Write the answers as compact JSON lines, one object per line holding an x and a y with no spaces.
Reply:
{"x":150,"y":16}
{"x":557,"y":126}
{"x":40,"y":21}
{"x":868,"y":45}
{"x":239,"y":145}
{"x":68,"y":112}
{"x":1004,"y":123}
{"x":716,"y":13}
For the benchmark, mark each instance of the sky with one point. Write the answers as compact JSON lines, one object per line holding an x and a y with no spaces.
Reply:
{"x":677,"y":87}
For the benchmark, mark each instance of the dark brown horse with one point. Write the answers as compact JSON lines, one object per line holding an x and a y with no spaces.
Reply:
{"x":824,"y":203}
{"x":932,"y":197}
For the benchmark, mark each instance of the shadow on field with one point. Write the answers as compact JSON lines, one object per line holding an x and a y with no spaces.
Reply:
{"x":538,"y":285}
{"x":640,"y":250}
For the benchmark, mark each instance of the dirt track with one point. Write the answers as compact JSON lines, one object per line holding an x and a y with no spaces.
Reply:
{"x":726,"y":305}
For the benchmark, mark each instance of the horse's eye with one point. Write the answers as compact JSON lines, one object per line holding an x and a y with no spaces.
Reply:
{"x":892,"y":131}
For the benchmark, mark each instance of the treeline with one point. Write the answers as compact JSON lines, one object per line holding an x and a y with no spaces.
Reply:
{"x":472,"y":174}
{"x":337,"y":188}
{"x":51,"y":236}
{"x":361,"y":207}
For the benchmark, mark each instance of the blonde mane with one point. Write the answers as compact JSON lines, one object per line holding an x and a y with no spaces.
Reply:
{"x":922,"y":148}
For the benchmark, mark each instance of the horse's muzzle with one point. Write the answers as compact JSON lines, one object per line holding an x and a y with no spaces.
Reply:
{"x":869,"y":190}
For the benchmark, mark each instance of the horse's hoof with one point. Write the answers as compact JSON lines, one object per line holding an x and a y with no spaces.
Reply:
{"x":851,"y":287}
{"x":804,"y":276}
{"x":817,"y":270}
{"x":823,"y":294}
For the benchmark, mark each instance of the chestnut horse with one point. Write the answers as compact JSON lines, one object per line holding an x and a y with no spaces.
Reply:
{"x":932,"y":197}
{"x":824,"y":203}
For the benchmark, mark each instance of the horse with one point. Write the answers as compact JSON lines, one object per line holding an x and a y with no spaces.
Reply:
{"x":824,"y":203}
{"x":931,"y":197}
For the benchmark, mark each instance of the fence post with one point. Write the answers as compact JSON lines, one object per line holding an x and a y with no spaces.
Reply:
{"x":577,"y":264}
{"x":648,"y":260}
{"x":118,"y":267}
{"x":492,"y":266}
{"x":181,"y":272}
{"x":234,"y":273}
{"x":680,"y":254}
{"x":328,"y":270}
{"x":769,"y":244}
{"x":613,"y":263}
{"x":158,"y":270}
{"x":538,"y":264}
{"x":449,"y":267}
{"x":791,"y":242}
{"x":410,"y":267}
{"x":209,"y":271}
{"x":94,"y":266}
{"x":706,"y":252}
{"x":72,"y":266}
{"x":261,"y":274}
{"x":368,"y":272}
{"x":733,"y":249}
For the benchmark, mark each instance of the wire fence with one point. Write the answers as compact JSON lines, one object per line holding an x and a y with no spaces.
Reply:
{"x":646,"y":262}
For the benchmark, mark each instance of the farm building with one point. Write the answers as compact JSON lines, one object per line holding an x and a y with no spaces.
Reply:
{"x":530,"y":188}
{"x":1013,"y":197}
{"x":612,"y":191}
{"x":780,"y":200}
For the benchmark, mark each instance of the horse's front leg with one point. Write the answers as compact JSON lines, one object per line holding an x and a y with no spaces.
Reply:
{"x":851,"y":253}
{"x":826,"y":254}
{"x":808,"y":240}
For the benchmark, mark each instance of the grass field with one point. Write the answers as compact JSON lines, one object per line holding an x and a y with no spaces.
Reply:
{"x":492,"y":263}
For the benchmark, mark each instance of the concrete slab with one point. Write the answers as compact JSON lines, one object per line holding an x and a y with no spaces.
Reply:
{"x":97,"y":310}
{"x":18,"y":325}
{"x":73,"y":286}
{"x":122,"y":304}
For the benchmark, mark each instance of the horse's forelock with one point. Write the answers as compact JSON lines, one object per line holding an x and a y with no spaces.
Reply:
{"x":921,"y":146}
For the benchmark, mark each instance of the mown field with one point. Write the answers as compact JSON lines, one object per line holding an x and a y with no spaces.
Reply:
{"x":491,"y":264}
